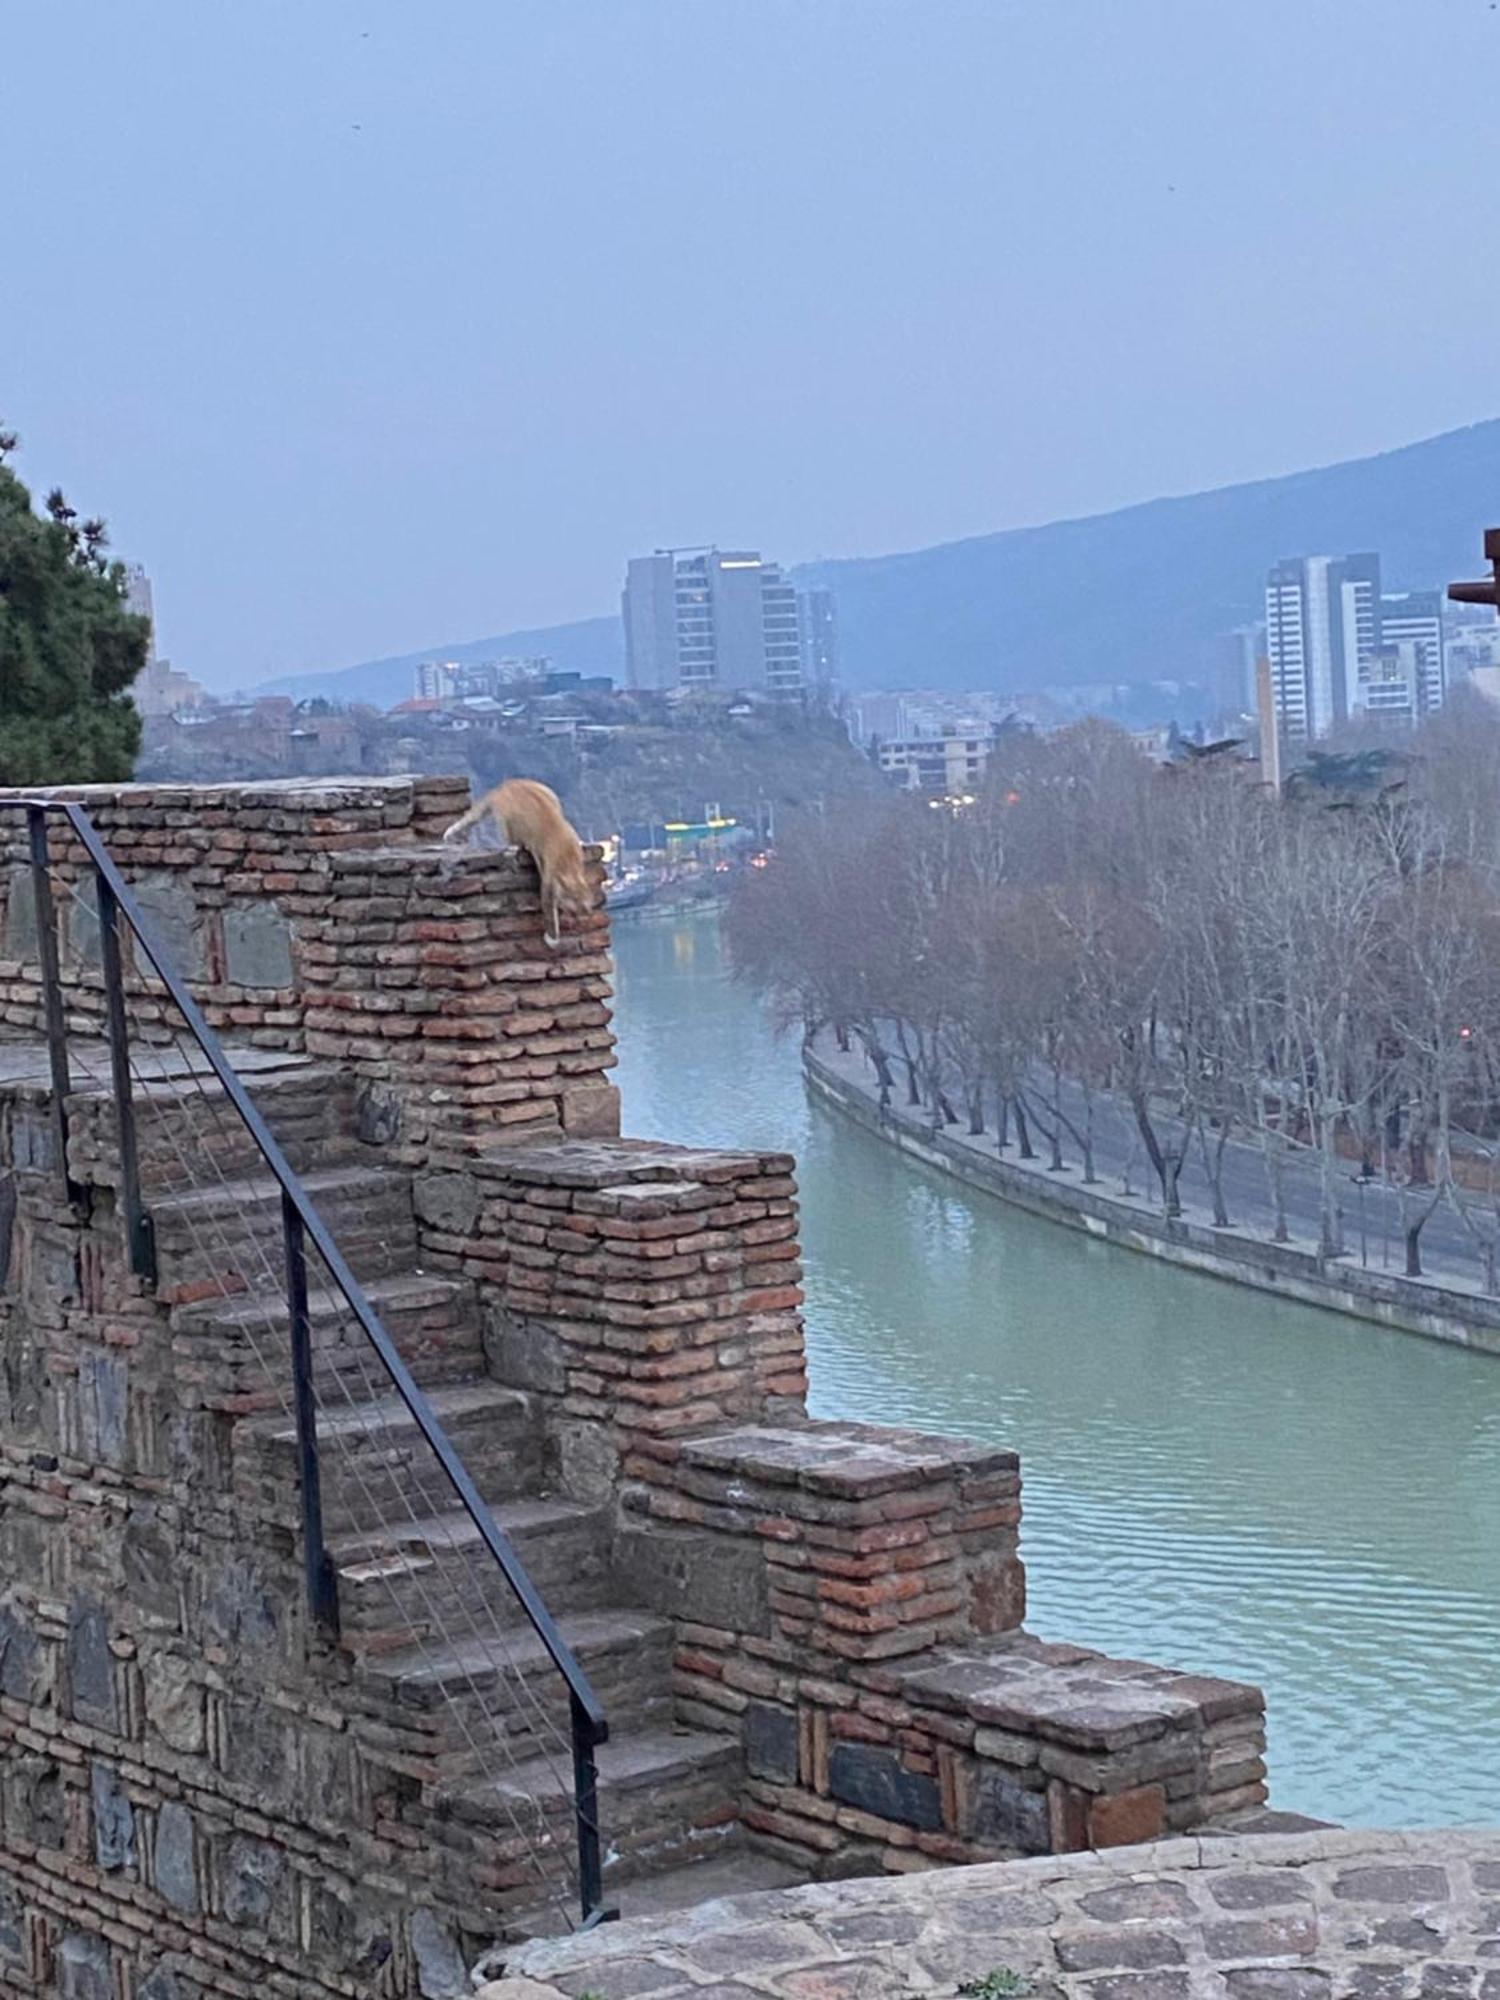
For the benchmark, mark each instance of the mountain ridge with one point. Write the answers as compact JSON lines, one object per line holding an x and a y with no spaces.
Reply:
{"x":1126,"y":596}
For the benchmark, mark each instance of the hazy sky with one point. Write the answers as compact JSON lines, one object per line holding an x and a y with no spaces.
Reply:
{"x":370,"y":326}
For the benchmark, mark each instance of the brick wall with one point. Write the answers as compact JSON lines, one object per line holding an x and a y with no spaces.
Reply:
{"x":643,"y":1291}
{"x":227,"y":873}
{"x":321,"y":917}
{"x":197,"y":1795}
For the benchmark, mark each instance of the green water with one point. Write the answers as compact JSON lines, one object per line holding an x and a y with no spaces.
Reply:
{"x":1214,"y":1480}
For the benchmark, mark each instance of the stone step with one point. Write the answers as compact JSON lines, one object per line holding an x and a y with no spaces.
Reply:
{"x":229,"y":1345}
{"x":412,"y":1582}
{"x":188,"y":1132}
{"x":376,"y":1466}
{"x":226,"y":1237}
{"x":732,"y":1868}
{"x":488,"y":1695}
{"x":667,"y":1800}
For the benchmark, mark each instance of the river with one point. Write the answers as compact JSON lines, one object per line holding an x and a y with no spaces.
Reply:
{"x":1214,"y":1479}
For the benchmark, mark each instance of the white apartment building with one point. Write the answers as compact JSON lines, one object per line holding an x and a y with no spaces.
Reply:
{"x":711,"y":618}
{"x":1322,"y":630}
{"x":1412,"y":623}
{"x":946,"y":766}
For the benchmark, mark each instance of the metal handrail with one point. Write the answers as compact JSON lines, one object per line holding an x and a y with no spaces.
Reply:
{"x":300,"y":1222}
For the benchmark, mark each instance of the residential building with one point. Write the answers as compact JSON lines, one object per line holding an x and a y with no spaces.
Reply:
{"x":818,"y":612}
{"x":946,"y":766}
{"x":436,"y":680}
{"x":1390,"y":688}
{"x":1413,"y":623}
{"x":1322,"y":630}
{"x":711,"y":618}
{"x":160,"y":689}
{"x":455,"y":680}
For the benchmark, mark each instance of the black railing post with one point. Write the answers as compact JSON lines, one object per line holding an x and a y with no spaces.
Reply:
{"x":52,"y":997}
{"x":322,"y":1586}
{"x":586,"y":1814}
{"x":138,"y":1231}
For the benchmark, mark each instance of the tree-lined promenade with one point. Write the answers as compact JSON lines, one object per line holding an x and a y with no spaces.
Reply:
{"x":1093,"y":939}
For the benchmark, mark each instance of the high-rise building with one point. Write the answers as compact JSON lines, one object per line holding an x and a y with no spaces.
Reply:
{"x":711,"y":618}
{"x":1413,"y":624}
{"x":436,"y":680}
{"x":818,"y":612}
{"x":1322,"y":632}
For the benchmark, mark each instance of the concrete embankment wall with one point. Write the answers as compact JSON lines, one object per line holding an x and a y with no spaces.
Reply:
{"x":1405,"y":1304}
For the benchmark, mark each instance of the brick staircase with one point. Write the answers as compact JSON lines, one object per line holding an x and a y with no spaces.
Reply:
{"x":806,"y":1636}
{"x":435,"y":1651}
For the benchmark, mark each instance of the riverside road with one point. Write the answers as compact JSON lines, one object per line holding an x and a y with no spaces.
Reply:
{"x":1373,"y":1222}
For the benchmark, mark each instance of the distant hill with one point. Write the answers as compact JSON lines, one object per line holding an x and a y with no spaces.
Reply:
{"x":1132,"y":596}
{"x":591,"y":646}
{"x":1143,"y":593}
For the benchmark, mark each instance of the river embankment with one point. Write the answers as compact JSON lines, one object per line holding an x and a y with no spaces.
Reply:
{"x":1460,"y":1315}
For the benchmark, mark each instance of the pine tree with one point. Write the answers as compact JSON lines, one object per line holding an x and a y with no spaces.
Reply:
{"x":69,"y":648}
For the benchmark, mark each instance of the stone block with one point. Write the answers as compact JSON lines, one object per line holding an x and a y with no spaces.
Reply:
{"x":7,"y":1227}
{"x":102,"y":1406}
{"x":20,"y":917}
{"x":151,"y":1564}
{"x":174,"y":1703}
{"x":83,"y":1969}
{"x":591,"y":1111}
{"x":1003,"y":1813}
{"x":441,"y":1971}
{"x":588,"y":1460}
{"x":171,"y":912}
{"x":176,"y":1858}
{"x":114,"y":1819}
{"x":12,"y":1921}
{"x":379,"y":1115}
{"x":771,"y":1736}
{"x":260,"y":1751}
{"x":257,"y":946}
{"x":1119,"y":1819}
{"x":875,"y":1781}
{"x":253,"y":1871}
{"x":240,"y":1613}
{"x":524,"y":1353}
{"x":91,"y":1667}
{"x":449,"y":1202}
{"x":19,"y":1657}
{"x":33,"y":1140}
{"x":712,"y":1579}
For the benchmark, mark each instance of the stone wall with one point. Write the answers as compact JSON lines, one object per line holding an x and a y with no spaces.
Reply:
{"x":174,"y":1786}
{"x":199,"y":1794}
{"x":321,"y":917}
{"x":226,"y":873}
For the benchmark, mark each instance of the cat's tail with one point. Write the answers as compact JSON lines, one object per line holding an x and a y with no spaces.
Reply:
{"x":472,"y":817}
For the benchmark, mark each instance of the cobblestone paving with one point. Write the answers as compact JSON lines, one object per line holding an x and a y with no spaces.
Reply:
{"x":1319,"y":1916}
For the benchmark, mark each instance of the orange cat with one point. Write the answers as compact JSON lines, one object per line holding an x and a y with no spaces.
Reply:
{"x":530,"y":815}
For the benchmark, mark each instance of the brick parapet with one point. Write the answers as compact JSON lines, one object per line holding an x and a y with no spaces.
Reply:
{"x":225,"y":873}
{"x":324,"y":917}
{"x":851,"y":1600}
{"x":645,"y":1292}
{"x":426,"y":974}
